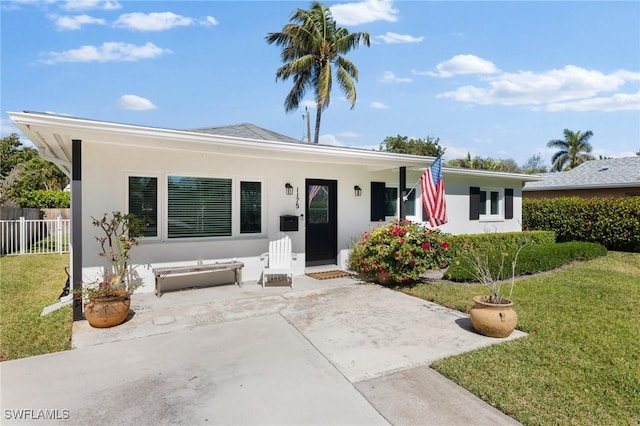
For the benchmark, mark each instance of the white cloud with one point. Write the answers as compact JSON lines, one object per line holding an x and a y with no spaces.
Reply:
{"x":75,"y":22}
{"x":330,"y":140}
{"x":389,"y":77}
{"x":136,"y":103}
{"x":364,"y":12}
{"x":567,"y":85}
{"x":394,"y":38}
{"x":462,"y":64}
{"x":109,"y":51}
{"x":454,"y":152}
{"x":210,"y":21}
{"x":78,"y":5}
{"x":152,"y":21}
{"x":7,"y":127}
{"x":613,"y":154}
{"x":349,"y":135}
{"x":308,"y":103}
{"x":617,"y":102}
{"x":378,"y":105}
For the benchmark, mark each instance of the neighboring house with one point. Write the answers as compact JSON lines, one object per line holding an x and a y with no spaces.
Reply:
{"x":225,"y":192}
{"x":615,"y":177}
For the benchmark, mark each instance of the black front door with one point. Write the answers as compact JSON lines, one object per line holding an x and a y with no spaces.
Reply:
{"x":321,"y":212}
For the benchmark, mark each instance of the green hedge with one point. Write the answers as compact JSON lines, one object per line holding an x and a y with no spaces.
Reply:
{"x":532,"y":259}
{"x":508,"y":240}
{"x":42,"y":199}
{"x":612,"y":222}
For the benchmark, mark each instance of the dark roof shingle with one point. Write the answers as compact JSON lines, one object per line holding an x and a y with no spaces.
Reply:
{"x":614,"y":172}
{"x":246,"y":131}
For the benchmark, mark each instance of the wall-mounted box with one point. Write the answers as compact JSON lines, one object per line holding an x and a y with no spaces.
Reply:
{"x":288,"y":223}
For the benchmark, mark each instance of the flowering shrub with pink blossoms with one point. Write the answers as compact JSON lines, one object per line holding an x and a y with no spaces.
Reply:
{"x":401,"y":251}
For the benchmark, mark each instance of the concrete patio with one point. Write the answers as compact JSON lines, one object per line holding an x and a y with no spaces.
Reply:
{"x":333,"y":351}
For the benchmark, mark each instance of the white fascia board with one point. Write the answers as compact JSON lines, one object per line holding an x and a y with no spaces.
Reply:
{"x":63,"y":128}
{"x":486,"y":173}
{"x":133,"y":135}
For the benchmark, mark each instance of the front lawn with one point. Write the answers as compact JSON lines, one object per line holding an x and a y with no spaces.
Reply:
{"x":29,"y":283}
{"x":580,"y":365}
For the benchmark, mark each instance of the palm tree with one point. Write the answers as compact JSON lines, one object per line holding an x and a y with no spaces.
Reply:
{"x":574,"y":150}
{"x":311,"y":43}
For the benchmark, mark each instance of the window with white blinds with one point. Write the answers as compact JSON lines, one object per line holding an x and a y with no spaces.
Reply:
{"x":143,"y":203}
{"x":198,"y":207}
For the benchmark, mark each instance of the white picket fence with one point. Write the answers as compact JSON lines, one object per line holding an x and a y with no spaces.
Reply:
{"x":30,"y":236}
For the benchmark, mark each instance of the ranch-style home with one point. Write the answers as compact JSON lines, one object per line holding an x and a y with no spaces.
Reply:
{"x":219,"y":194}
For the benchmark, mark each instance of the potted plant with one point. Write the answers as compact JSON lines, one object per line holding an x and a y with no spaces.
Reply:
{"x":120,"y":234}
{"x":107,"y":304}
{"x":108,"y":298}
{"x":399,"y":252}
{"x":492,"y":314}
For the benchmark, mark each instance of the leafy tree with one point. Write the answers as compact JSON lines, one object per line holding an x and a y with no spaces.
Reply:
{"x":467,"y":163}
{"x":508,"y":165}
{"x":24,"y":171}
{"x":13,"y":153}
{"x":573,"y":150}
{"x":534,"y":165}
{"x":40,"y":174}
{"x":429,"y":147}
{"x":311,"y":43}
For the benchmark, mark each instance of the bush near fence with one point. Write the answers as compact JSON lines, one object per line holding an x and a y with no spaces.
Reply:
{"x":612,"y":222}
{"x":46,"y":199}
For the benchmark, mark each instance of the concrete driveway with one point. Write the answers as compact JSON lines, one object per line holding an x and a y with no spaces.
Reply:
{"x":328,"y":352}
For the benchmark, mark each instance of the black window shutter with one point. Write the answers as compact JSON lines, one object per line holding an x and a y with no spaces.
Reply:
{"x":474,"y":203}
{"x":377,"y":201}
{"x":508,"y":203}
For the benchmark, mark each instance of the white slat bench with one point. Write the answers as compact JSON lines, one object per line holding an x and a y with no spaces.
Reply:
{"x":164,"y":271}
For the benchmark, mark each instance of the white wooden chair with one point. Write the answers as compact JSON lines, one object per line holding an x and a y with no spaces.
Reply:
{"x":279,"y":260}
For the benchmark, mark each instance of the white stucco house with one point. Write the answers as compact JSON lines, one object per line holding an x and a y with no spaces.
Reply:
{"x":225,"y":192}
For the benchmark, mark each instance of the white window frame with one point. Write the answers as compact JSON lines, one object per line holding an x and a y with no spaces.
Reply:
{"x":235,"y":208}
{"x":162,"y":234}
{"x":159,"y":202}
{"x":488,"y":217}
{"x":398,"y":195}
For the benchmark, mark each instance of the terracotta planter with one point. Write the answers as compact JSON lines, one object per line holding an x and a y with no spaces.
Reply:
{"x":384,"y":279}
{"x":493,"y":319}
{"x":103,"y":313}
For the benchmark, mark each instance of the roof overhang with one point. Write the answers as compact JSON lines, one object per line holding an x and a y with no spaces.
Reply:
{"x":53,"y":134}
{"x":582,"y":187}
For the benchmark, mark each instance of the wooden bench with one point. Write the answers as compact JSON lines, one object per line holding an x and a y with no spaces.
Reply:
{"x":164,"y":271}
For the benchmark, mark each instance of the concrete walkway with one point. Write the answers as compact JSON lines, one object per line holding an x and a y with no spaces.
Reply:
{"x":327,"y":352}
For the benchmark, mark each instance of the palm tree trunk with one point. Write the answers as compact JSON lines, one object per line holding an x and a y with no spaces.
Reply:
{"x":317,"y":130}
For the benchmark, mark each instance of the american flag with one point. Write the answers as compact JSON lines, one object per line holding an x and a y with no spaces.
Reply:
{"x":433,"y":194}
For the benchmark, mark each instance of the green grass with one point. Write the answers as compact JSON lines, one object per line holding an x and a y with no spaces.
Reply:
{"x":580,"y":365}
{"x":29,"y":283}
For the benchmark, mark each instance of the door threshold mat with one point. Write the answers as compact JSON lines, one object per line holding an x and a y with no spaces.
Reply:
{"x":327,"y":275}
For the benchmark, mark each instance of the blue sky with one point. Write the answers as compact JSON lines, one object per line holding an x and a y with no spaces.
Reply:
{"x":496,"y":79}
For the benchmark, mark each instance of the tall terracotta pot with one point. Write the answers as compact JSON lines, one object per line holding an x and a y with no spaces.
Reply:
{"x":493,"y":319}
{"x":103,"y":313}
